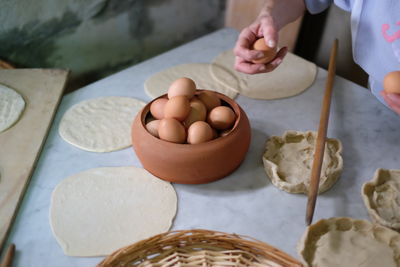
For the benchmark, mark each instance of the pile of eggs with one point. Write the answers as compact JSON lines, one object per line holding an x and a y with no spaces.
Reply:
{"x":188,"y":118}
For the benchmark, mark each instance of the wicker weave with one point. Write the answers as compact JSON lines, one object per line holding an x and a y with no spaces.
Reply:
{"x":192,"y":248}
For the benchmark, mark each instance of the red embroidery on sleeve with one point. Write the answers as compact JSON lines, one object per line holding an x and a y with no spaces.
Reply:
{"x":390,"y":38}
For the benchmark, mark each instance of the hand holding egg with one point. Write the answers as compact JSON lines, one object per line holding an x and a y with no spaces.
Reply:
{"x":269,"y":52}
{"x":182,"y":117}
{"x":249,"y":59}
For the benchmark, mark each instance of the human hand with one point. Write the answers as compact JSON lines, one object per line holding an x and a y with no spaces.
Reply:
{"x":266,"y":27}
{"x":393,"y":101}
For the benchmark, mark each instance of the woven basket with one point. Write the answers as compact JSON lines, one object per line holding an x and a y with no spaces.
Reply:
{"x":192,"y":248}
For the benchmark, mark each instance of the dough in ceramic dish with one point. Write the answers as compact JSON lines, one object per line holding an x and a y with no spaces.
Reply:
{"x":347,"y":242}
{"x":382,"y":197}
{"x":100,"y":124}
{"x":291,"y":77}
{"x":159,"y":83}
{"x":11,"y":107}
{"x":288,"y":161}
{"x":97,"y":211}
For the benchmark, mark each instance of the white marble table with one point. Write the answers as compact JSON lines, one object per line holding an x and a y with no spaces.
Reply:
{"x":245,"y":202}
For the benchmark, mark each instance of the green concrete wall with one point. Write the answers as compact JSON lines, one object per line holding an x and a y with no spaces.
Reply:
{"x":94,"y":38}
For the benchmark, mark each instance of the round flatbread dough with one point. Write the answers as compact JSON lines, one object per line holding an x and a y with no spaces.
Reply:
{"x":100,"y":124}
{"x":159,"y":83}
{"x":293,"y":76}
{"x":11,"y":107}
{"x":95,"y":212}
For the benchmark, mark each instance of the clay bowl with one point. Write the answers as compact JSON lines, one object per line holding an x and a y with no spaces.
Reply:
{"x":188,"y":163}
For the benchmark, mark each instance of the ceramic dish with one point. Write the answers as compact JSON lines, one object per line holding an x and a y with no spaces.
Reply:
{"x":288,"y":161}
{"x":382,"y":197}
{"x":192,"y":163}
{"x":348,"y":242}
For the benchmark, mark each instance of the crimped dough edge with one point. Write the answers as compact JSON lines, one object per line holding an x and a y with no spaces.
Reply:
{"x":307,"y":245}
{"x":381,"y":176}
{"x":272,"y":169}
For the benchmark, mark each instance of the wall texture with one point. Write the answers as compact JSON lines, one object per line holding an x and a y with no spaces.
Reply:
{"x":94,"y":38}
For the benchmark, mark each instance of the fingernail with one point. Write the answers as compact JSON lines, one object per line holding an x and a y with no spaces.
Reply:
{"x":271,"y":43}
{"x":279,"y":61}
{"x":262,"y":68}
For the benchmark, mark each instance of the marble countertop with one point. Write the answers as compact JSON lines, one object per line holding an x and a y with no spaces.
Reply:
{"x":245,"y":202}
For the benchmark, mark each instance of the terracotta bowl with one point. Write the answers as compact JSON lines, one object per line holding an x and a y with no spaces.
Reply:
{"x":188,"y":163}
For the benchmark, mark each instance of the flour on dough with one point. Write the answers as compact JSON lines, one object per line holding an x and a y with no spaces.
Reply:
{"x":11,"y":107}
{"x":288,"y":161}
{"x":200,"y":73}
{"x":98,"y":211}
{"x":348,"y":242}
{"x":382,"y":198}
{"x":100,"y":124}
{"x":291,"y":77}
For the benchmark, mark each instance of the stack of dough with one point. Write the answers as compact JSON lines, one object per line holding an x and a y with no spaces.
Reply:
{"x":291,"y":77}
{"x":158,"y":83}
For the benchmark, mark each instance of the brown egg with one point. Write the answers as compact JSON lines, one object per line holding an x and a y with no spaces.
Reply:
{"x":177,"y":107}
{"x":171,"y":130}
{"x":209,"y":99}
{"x":198,"y":112}
{"x":221,"y":118}
{"x":391,"y":82}
{"x":182,"y":86}
{"x":199,"y":132}
{"x":269,"y":53}
{"x":157,"y":108}
{"x":152,"y":127}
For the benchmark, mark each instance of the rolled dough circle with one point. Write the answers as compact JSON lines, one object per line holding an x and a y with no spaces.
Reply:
{"x":97,"y":211}
{"x":159,"y":83}
{"x":100,"y":124}
{"x":11,"y":107}
{"x":291,"y":77}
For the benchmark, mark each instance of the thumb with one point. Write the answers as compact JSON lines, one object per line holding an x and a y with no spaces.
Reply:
{"x":270,"y":31}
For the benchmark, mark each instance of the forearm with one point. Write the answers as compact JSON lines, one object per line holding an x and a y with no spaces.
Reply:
{"x":283,"y":11}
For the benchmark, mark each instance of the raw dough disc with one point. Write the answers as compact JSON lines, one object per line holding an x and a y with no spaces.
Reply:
{"x":293,"y":76}
{"x":11,"y":107}
{"x":159,"y":83}
{"x":100,"y":124}
{"x":348,"y":242}
{"x":97,"y":211}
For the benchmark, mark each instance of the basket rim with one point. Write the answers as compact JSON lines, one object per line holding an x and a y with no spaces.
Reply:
{"x":164,"y":243}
